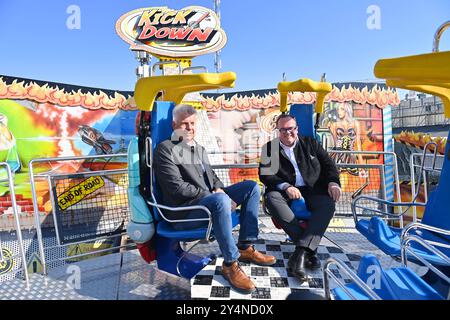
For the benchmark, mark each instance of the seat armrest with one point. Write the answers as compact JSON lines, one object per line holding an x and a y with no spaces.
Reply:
{"x":417,"y":225}
{"x":176,"y":209}
{"x":386,"y":202}
{"x":342,"y":267}
{"x":406,"y":249}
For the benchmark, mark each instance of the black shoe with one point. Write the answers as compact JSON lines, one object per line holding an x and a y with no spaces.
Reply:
{"x":292,"y":259}
{"x":297,"y":264}
{"x":313,"y":262}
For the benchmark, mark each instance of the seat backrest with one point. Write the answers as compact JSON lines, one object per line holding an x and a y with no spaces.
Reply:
{"x":437,"y":213}
{"x":161,"y":129}
{"x":304,"y":115}
{"x":371,"y":273}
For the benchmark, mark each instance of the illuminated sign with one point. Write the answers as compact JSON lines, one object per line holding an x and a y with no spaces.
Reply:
{"x":189,"y":32}
{"x":79,"y":192}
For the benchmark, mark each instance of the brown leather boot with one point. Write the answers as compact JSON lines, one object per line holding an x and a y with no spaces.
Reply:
{"x":253,"y":256}
{"x":237,"y":278}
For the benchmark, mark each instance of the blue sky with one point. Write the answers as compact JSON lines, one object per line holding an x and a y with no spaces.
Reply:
{"x":265,"y":39}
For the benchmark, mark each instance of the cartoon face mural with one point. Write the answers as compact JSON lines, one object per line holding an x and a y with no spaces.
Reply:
{"x":353,"y":127}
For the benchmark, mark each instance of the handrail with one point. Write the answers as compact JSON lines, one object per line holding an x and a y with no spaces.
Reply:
{"x":17,"y":224}
{"x":86,"y":173}
{"x":386,"y":202}
{"x":419,"y":181}
{"x":198,"y":207}
{"x":418,"y":225}
{"x":341,"y":266}
{"x":438,"y":35}
{"x":406,"y":248}
{"x":102,"y":156}
{"x":423,"y":169}
{"x":416,"y":154}
{"x":396,"y":177}
{"x":148,"y":152}
{"x":176,"y":209}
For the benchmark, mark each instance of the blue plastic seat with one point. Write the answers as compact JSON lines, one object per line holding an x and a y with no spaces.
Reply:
{"x":399,"y":283}
{"x":388,"y":239}
{"x":169,"y":254}
{"x":304,"y":115}
{"x":436,"y":215}
{"x":300,"y":211}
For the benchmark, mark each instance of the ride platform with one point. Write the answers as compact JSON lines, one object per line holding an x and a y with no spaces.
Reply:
{"x":126,"y":276}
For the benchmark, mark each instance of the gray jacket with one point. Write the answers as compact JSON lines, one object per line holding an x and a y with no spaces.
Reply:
{"x":179,"y":173}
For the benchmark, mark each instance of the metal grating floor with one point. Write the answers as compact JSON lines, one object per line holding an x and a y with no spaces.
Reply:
{"x":125,"y":276}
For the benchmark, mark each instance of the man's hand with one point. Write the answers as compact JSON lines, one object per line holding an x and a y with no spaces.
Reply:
{"x":293,"y":193}
{"x":334,"y":191}
{"x":233,"y":204}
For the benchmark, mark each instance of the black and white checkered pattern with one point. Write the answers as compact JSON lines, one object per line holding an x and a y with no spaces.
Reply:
{"x":274,"y":282}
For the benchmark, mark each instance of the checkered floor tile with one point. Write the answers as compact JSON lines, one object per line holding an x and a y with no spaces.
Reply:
{"x":125,"y":276}
{"x":274,"y":282}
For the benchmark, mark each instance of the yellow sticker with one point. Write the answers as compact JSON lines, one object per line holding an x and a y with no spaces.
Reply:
{"x":79,"y":192}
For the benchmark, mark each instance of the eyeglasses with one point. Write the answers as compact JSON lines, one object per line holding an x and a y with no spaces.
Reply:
{"x":288,"y":130}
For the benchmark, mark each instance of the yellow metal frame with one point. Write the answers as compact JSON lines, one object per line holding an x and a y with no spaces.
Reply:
{"x":428,"y":73}
{"x":304,"y":85}
{"x":175,"y":87}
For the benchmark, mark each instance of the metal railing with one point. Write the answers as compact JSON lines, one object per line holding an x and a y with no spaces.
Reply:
{"x":10,"y":258}
{"x":369,"y":179}
{"x":415,"y":226}
{"x":407,"y":250}
{"x":438,"y":35}
{"x":51,"y":177}
{"x":327,"y":273}
{"x":374,"y":176}
{"x":396,"y":182}
{"x":412,"y":204}
{"x":417,"y":160}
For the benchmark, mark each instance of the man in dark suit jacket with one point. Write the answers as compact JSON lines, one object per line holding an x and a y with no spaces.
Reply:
{"x":294,"y":167}
{"x":185,"y":178}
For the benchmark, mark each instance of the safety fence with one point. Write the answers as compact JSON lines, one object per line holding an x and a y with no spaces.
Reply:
{"x":356,"y":179}
{"x":79,"y":206}
{"x":87,"y":209}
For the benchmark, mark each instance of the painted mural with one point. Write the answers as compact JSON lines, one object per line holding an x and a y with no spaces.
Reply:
{"x":352,"y":121}
{"x":50,"y":120}
{"x":46,"y":120}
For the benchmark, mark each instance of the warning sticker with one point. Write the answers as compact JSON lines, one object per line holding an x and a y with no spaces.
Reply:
{"x":79,"y":192}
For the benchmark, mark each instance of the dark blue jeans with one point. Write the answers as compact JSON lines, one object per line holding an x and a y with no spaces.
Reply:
{"x":246,"y":194}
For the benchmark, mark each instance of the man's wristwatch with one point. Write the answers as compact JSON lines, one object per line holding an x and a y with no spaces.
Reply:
{"x":287,"y":187}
